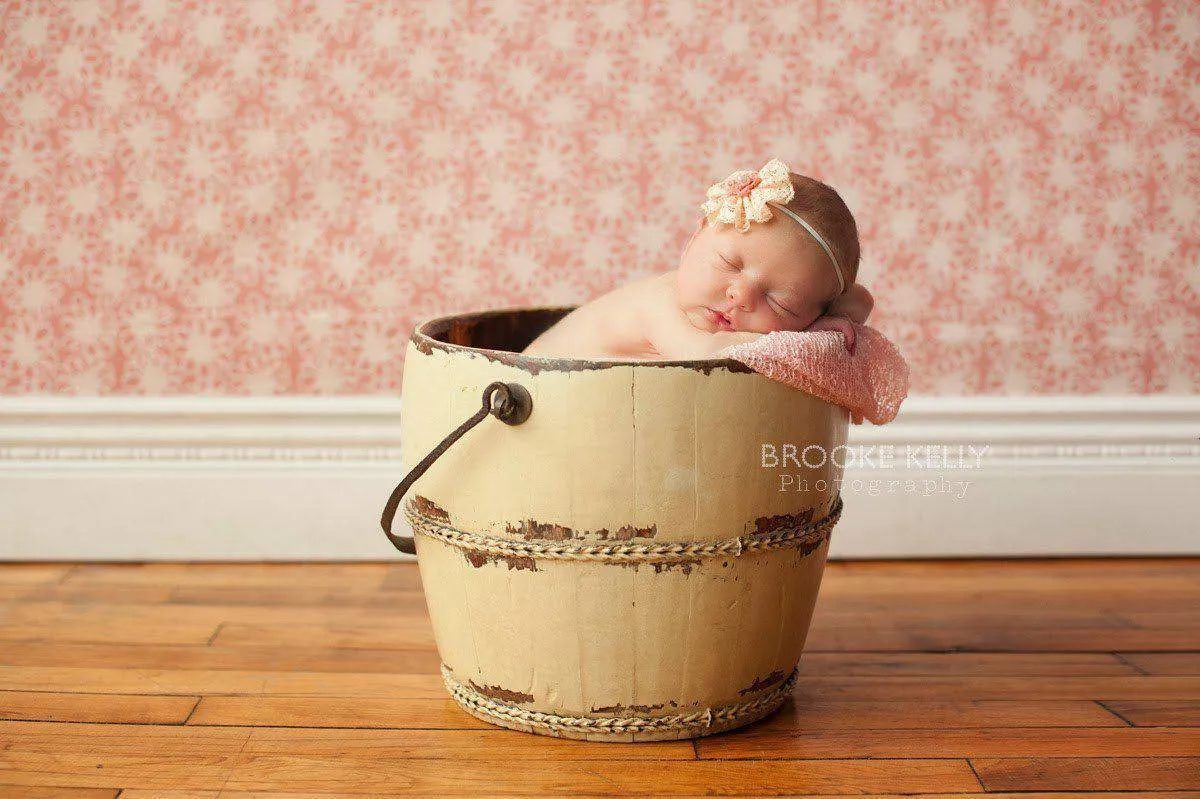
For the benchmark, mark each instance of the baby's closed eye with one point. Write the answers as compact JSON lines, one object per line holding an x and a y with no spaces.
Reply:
{"x":726,"y":264}
{"x":779,"y":306}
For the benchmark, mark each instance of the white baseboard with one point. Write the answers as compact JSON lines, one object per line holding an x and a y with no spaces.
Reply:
{"x":305,"y":478}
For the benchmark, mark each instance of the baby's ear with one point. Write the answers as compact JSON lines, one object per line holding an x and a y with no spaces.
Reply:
{"x":856,"y":304}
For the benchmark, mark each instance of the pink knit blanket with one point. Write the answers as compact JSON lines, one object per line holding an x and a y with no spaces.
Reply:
{"x":871,"y":383}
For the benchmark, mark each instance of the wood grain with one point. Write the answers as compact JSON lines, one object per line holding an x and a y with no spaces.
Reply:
{"x":1043,"y":679}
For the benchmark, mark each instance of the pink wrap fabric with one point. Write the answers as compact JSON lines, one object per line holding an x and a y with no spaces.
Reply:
{"x":871,"y":383}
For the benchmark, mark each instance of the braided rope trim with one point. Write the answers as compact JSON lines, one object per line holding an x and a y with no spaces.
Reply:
{"x":811,"y":533}
{"x":548,"y":721}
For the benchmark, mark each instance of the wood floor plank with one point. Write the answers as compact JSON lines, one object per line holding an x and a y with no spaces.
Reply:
{"x":20,"y":580}
{"x":1001,"y":688}
{"x":877,"y":637}
{"x":364,"y":635}
{"x":990,"y":609}
{"x":227,"y":794}
{"x":340,"y":794}
{"x":989,"y":612}
{"x":423,"y":660}
{"x":396,"y":628}
{"x":1164,"y":662}
{"x":33,"y":573}
{"x":407,"y":744}
{"x":300,"y":596}
{"x":1152,"y":566}
{"x":498,"y":743}
{"x":296,"y":595}
{"x":100,"y":594}
{"x":56,"y":621}
{"x":1160,"y":616}
{"x":1087,"y":606}
{"x":1170,"y":689}
{"x":603,"y":777}
{"x":177,"y":758}
{"x":954,"y":664}
{"x":106,"y":756}
{"x":797,"y":713}
{"x":321,"y":711}
{"x":109,"y":708}
{"x":1000,"y":582}
{"x":1089,"y":774}
{"x":177,"y":624}
{"x":883,"y":635}
{"x":1080,"y":608}
{"x":1124,"y":687}
{"x":211,"y":615}
{"x":166,"y":682}
{"x":1084,"y":570}
{"x":761,"y":742}
{"x":314,"y":574}
{"x":266,"y":775}
{"x":55,"y":792}
{"x":1159,"y":712}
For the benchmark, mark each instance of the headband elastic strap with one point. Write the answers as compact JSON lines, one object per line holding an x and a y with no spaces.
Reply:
{"x":821,"y":241}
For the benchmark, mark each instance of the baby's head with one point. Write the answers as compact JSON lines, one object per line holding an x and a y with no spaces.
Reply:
{"x":768,"y":275}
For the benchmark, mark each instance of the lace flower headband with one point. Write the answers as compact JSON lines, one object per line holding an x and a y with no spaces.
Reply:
{"x":743,"y":198}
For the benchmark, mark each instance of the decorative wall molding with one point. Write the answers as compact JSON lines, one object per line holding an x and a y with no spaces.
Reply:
{"x":303,"y":478}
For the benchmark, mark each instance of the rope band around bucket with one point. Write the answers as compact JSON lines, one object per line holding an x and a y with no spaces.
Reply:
{"x":811,"y":533}
{"x":706,"y":718}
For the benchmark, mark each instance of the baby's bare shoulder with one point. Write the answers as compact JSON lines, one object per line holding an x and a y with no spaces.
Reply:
{"x":612,"y":324}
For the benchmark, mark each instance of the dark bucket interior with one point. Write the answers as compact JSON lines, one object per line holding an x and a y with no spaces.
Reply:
{"x":509,"y":330}
{"x":502,"y":334}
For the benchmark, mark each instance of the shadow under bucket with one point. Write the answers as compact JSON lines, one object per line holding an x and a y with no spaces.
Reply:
{"x":607,"y":552}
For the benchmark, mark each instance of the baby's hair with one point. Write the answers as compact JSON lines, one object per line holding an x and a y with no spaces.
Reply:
{"x":822,"y":207}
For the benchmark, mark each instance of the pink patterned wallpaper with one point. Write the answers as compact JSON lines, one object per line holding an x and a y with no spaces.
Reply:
{"x":263,"y":196}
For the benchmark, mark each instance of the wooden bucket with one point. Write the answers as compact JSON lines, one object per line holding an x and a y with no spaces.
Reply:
{"x":604,"y":546}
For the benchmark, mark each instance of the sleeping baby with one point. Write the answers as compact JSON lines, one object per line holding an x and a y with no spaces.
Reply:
{"x":792,"y":270}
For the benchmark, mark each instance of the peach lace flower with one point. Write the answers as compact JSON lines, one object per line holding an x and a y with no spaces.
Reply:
{"x":742,"y":197}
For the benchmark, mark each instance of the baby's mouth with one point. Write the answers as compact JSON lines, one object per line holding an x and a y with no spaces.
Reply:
{"x":722,"y":321}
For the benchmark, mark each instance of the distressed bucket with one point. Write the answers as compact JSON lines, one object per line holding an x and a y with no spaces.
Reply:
{"x":607,"y":548}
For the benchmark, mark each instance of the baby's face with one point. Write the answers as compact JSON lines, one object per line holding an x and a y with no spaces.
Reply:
{"x":773,"y":277}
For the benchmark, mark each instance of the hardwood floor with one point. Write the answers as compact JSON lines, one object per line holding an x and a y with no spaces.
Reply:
{"x":1030,"y":678}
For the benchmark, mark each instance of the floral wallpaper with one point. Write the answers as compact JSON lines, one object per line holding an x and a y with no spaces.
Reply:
{"x":264,"y":196}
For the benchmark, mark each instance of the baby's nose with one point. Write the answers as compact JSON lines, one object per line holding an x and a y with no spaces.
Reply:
{"x":735,"y":294}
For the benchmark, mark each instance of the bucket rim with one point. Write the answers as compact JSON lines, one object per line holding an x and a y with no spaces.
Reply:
{"x":424,"y":339}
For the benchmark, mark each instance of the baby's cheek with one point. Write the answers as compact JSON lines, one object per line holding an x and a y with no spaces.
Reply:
{"x":768,"y":323}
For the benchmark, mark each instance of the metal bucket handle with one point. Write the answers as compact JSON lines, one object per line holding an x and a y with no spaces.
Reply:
{"x":513,"y":408}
